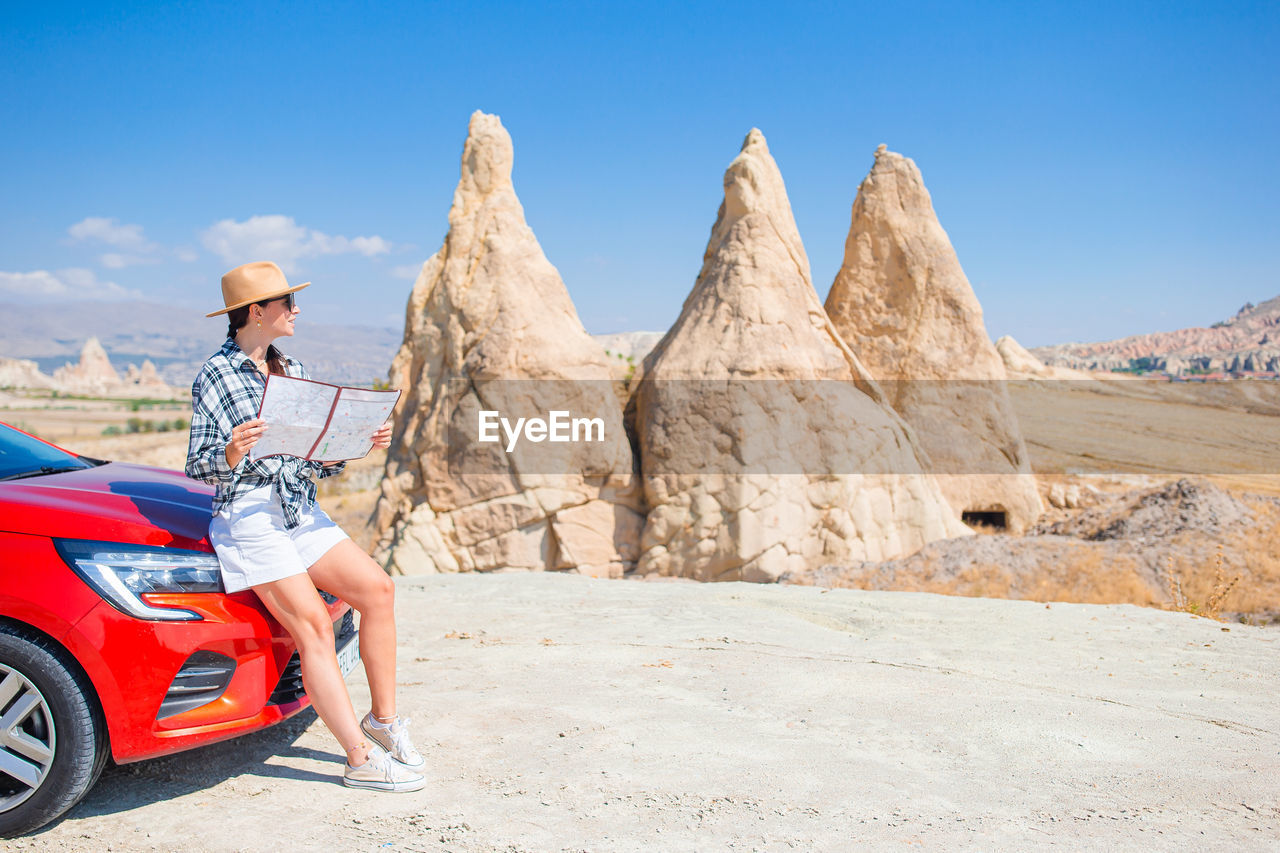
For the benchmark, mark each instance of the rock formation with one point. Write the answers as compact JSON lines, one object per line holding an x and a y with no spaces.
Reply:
{"x":1020,"y":364}
{"x":764,"y":445}
{"x":490,"y":327}
{"x":22,"y":373}
{"x":1185,"y":537}
{"x":903,"y":304}
{"x":145,"y":379}
{"x":93,"y":374}
{"x":1247,"y":342}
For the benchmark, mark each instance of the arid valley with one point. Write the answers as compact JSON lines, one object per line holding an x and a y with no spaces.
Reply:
{"x":964,"y":595}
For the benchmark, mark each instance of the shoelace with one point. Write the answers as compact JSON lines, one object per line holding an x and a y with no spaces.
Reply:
{"x":400,"y":737}
{"x":383,"y":765}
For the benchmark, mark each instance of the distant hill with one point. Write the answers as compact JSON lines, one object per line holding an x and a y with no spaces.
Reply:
{"x":1249,"y":342}
{"x":177,"y":340}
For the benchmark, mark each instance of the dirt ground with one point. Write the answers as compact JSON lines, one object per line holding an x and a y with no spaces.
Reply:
{"x":564,"y":713}
{"x":1139,"y":432}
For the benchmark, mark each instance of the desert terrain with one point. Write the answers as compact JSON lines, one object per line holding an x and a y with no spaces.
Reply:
{"x":1156,"y":493}
{"x":561,"y":712}
{"x":566,"y":713}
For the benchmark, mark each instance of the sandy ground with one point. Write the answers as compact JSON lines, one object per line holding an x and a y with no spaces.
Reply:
{"x":1229,"y":432}
{"x":562,"y":713}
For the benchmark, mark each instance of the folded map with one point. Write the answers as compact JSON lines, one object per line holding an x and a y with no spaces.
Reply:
{"x":319,"y":421}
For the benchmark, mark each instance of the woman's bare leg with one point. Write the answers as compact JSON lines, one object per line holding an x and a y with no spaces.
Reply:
{"x":352,"y":575}
{"x":296,"y":605}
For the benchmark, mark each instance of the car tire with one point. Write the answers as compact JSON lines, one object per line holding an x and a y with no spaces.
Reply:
{"x":46,"y":709}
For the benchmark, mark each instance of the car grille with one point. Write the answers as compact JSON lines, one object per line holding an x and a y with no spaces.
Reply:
{"x":289,"y":688}
{"x":203,"y":678}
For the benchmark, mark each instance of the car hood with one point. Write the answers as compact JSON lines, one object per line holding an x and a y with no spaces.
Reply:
{"x":115,"y":502}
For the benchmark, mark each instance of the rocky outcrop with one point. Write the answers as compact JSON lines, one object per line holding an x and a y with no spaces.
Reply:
{"x":1248,"y":342}
{"x":178,"y":340}
{"x":490,"y":327}
{"x":22,"y":373}
{"x":145,"y":379}
{"x":903,"y":304}
{"x":92,"y":374}
{"x":765,"y":447}
{"x":1183,"y":539}
{"x":1020,"y":364}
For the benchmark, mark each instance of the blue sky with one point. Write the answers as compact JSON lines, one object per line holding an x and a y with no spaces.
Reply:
{"x":1102,"y":169}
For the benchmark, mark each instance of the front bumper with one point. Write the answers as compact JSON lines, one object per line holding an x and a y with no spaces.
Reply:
{"x":132,"y":664}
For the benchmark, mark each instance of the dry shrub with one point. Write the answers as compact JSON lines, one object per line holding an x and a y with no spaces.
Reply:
{"x":1085,"y":573}
{"x":1177,"y":598}
{"x":1256,"y":555}
{"x":1197,"y":594}
{"x":1221,"y":589}
{"x":980,"y":581}
{"x":1090,"y":573}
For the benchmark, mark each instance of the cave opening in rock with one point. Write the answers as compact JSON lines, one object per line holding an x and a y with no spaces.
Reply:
{"x":996,"y":519}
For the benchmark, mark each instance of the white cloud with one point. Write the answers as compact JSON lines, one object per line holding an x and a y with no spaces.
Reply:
{"x":135,"y":247}
{"x":101,"y":229}
{"x":186,"y":254}
{"x":38,"y":283}
{"x":114,"y":261}
{"x":73,"y":283}
{"x":281,"y":239}
{"x":367,"y":246}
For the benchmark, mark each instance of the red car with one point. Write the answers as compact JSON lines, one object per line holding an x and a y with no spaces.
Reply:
{"x":116,"y":638}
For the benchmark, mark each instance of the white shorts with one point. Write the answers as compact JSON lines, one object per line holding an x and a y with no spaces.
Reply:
{"x":255,"y":547}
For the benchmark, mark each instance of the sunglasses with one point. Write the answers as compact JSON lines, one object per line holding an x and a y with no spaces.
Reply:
{"x":287,"y":299}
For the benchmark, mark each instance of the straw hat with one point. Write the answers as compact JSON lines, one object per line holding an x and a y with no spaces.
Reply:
{"x":255,"y":282}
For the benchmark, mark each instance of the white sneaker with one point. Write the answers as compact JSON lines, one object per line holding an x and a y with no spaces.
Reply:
{"x":394,"y":738}
{"x":383,"y":773}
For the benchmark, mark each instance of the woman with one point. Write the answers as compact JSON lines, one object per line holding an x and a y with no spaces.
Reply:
{"x":271,"y":536}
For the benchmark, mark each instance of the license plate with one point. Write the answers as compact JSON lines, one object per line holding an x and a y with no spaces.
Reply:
{"x":349,"y":655}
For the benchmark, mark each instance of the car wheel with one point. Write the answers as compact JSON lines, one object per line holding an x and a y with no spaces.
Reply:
{"x":53,"y":740}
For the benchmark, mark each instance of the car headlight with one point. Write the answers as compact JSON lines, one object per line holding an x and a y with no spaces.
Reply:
{"x":122,"y":573}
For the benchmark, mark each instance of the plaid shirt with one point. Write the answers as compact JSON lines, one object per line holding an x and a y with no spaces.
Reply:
{"x":227,"y":393}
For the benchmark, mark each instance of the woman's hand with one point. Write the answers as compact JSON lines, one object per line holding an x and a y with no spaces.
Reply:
{"x":382,"y":438}
{"x":243,"y":437}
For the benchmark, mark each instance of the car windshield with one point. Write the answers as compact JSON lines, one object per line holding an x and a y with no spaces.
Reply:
{"x":23,"y":456}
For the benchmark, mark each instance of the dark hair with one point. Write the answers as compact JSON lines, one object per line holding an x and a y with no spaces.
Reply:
{"x":236,"y":320}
